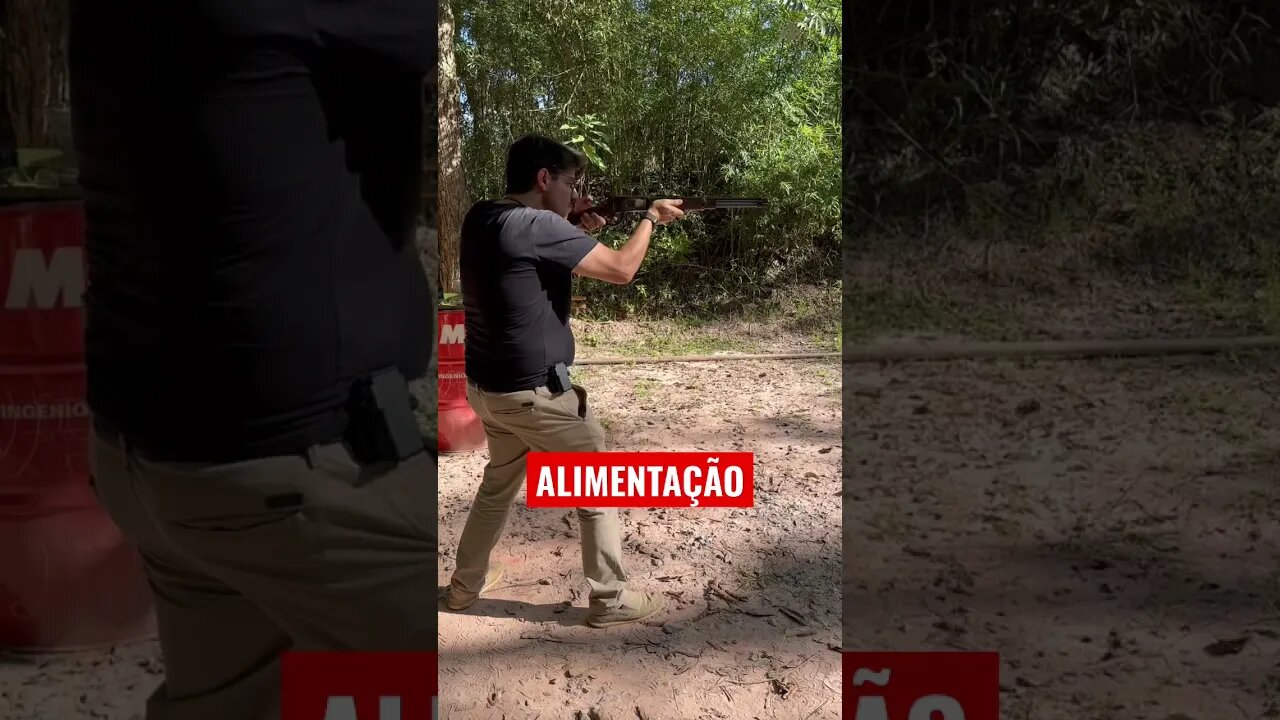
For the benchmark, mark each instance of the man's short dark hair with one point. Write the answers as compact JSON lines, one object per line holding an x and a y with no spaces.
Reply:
{"x":532,"y":153}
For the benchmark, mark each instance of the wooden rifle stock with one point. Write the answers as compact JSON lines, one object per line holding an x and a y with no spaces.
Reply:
{"x":631,"y":204}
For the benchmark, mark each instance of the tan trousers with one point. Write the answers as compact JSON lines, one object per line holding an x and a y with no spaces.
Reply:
{"x":541,"y":421}
{"x":308,"y":552}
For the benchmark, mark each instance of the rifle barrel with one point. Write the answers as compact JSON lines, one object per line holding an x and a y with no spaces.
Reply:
{"x":623,"y":205}
{"x":736,"y":202}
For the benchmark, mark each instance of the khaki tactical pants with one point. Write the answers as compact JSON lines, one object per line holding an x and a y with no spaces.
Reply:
{"x":308,"y":552}
{"x":541,"y":421}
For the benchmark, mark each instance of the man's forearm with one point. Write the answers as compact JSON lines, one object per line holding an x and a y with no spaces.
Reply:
{"x":632,"y":253}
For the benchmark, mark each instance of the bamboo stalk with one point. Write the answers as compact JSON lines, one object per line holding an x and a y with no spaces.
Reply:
{"x":35,"y":61}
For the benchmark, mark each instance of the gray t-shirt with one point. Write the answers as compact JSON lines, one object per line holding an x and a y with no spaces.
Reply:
{"x":517,"y":277}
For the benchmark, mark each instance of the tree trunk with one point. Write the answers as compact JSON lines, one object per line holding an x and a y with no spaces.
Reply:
{"x":452,"y":178}
{"x":8,"y":135}
{"x":35,"y":79}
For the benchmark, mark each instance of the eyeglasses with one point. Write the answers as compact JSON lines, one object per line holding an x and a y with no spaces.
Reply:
{"x":577,"y":183}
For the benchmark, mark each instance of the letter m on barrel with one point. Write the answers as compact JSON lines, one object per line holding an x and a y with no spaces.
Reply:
{"x":358,"y":686}
{"x":453,"y":334}
{"x":37,"y":282}
{"x":43,"y":273}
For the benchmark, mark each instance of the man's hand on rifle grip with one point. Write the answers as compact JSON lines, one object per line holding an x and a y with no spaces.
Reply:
{"x":590,"y":222}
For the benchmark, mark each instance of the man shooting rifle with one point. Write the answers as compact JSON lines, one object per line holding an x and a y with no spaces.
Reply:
{"x":517,"y":258}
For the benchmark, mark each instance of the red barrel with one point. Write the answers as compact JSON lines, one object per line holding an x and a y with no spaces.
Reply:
{"x":68,"y":579}
{"x":460,"y":428}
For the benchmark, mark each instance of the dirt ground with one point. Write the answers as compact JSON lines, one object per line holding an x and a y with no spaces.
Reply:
{"x":1109,"y":526}
{"x":524,"y":651}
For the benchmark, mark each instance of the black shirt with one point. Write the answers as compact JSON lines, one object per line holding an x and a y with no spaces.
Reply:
{"x":517,"y":278}
{"x":251,"y":173}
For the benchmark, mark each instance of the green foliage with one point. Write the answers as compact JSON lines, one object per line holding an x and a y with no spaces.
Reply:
{"x":944,"y":95}
{"x":587,"y":135}
{"x":1087,"y":140}
{"x":727,"y":97}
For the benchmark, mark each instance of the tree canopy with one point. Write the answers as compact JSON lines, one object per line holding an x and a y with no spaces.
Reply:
{"x":728,"y":97}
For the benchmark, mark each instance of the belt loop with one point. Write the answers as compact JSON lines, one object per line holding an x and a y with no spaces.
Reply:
{"x":125,"y":448}
{"x":312,"y":455}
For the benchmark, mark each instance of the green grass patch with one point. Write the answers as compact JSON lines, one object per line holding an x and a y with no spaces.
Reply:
{"x":1255,"y":299}
{"x":644,"y":388}
{"x":813,"y":312}
{"x":1268,"y":299}
{"x":812,"y":309}
{"x":1207,"y":400}
{"x":810,"y":314}
{"x":1205,"y":289}
{"x":688,"y":342}
{"x":877,"y":311}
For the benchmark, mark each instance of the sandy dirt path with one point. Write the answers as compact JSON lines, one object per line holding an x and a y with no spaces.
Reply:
{"x":1109,"y":526}
{"x":524,"y":651}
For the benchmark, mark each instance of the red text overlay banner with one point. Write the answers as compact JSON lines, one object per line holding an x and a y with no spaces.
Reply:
{"x":919,"y":685}
{"x":640,"y":479}
{"x":359,"y":686}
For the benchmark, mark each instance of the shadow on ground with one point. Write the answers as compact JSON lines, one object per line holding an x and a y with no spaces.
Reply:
{"x":751,"y":625}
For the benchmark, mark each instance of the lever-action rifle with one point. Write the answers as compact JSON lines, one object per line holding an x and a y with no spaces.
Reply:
{"x":627,"y":204}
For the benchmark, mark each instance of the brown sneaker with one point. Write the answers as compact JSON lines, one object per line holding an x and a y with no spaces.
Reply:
{"x":460,"y":600}
{"x":637,"y":607}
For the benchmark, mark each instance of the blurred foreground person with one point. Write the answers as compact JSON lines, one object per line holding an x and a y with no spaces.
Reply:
{"x":251,"y":178}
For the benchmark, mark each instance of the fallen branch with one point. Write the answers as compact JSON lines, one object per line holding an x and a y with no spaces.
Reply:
{"x":799,"y":664}
{"x":653,"y":646}
{"x":815,"y":710}
{"x":554,"y":640}
{"x":792,"y":614}
{"x":749,"y":682}
{"x":1060,"y":348}
{"x":652,"y":359}
{"x":715,"y":589}
{"x":519,"y":585}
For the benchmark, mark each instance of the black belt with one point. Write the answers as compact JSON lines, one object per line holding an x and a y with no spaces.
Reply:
{"x":112,"y":433}
{"x":492,"y":389}
{"x":115,"y":435}
{"x":508,"y":389}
